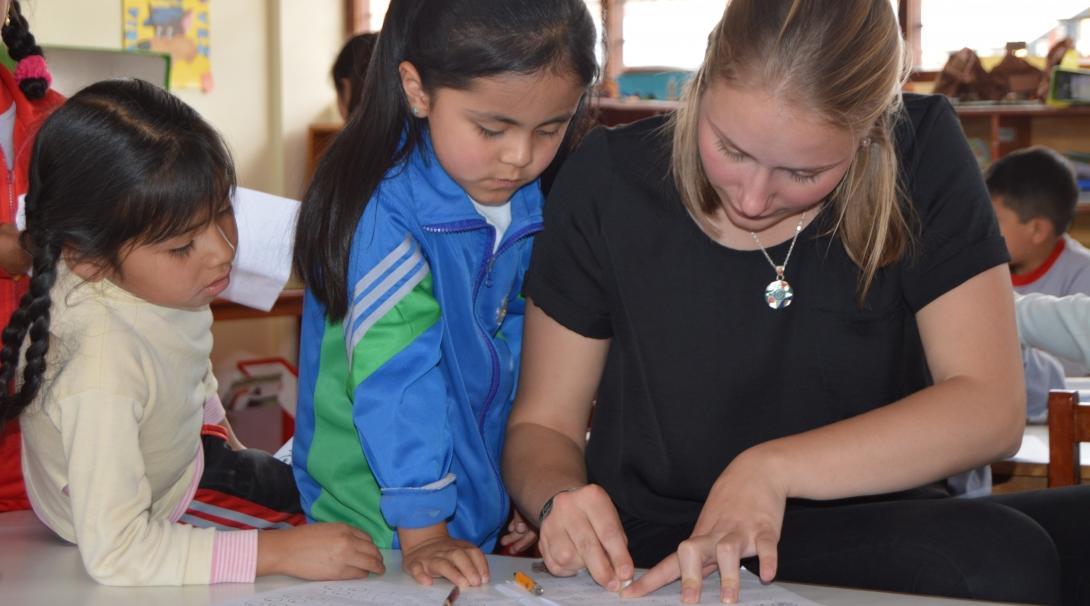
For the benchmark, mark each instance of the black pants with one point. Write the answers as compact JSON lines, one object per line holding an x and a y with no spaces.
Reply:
{"x":1031,"y":547}
{"x":242,"y":489}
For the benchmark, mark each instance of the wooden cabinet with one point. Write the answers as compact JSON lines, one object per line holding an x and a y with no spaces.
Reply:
{"x":319,"y":137}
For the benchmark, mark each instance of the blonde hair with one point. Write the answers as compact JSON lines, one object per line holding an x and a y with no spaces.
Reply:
{"x":845,"y":61}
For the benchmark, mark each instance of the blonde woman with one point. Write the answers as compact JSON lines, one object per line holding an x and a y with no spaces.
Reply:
{"x":792,"y":304}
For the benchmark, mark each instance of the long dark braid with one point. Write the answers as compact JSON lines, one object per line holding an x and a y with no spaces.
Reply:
{"x":121,"y":163}
{"x":21,"y":44}
{"x":31,"y":318}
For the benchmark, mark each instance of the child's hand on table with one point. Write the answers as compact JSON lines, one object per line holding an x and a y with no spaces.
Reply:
{"x":520,"y":535}
{"x":429,"y":553}
{"x":318,"y":552}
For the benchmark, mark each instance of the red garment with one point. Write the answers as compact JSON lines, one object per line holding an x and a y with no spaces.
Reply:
{"x":1042,"y":269}
{"x":28,"y":117}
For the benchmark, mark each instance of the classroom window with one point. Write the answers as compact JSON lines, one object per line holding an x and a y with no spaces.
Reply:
{"x":987,"y":25}
{"x":595,"y":8}
{"x":374,"y":11}
{"x":377,"y":9}
{"x":657,"y":33}
{"x":668,"y":33}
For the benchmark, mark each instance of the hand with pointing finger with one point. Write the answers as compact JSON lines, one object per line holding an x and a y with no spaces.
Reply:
{"x":742,"y":517}
{"x":583,"y":530}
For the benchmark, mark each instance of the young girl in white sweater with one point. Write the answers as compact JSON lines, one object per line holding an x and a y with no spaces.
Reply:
{"x":126,"y":451}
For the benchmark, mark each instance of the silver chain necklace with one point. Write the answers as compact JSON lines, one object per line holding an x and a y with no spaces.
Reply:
{"x":778,"y":293}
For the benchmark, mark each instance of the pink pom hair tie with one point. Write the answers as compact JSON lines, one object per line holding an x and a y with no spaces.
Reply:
{"x":33,"y":66}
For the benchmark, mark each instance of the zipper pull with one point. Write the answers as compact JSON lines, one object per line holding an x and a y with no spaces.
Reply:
{"x":501,"y":313}
{"x":488,"y":271}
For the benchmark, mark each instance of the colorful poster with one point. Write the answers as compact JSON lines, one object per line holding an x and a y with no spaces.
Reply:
{"x":180,"y":28}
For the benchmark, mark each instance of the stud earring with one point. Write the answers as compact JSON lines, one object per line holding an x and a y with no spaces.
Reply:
{"x":416,"y":112}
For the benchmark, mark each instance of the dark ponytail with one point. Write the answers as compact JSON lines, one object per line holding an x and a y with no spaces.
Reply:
{"x":356,"y":162}
{"x":121,"y":163}
{"x":21,"y":44}
{"x":451,"y":43}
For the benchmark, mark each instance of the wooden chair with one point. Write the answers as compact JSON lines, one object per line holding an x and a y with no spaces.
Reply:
{"x":1068,"y":424}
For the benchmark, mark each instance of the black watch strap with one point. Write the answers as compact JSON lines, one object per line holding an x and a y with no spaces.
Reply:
{"x":547,"y":508}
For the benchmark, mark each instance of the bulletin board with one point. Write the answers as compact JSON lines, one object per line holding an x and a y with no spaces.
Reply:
{"x":180,"y":28}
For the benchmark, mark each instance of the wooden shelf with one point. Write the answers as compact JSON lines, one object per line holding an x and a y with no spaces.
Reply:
{"x":1019,"y":109}
{"x":290,"y":303}
{"x":1007,"y":127}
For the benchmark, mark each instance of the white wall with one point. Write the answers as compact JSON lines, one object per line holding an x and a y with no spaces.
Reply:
{"x":270,"y":65}
{"x":240,"y":104}
{"x":94,"y":23}
{"x":306,"y":90}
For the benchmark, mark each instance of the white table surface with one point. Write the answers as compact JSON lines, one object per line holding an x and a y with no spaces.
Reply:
{"x":37,"y":568}
{"x":1034,"y":447}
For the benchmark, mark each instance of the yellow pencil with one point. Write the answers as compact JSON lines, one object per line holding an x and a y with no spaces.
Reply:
{"x":527,"y":583}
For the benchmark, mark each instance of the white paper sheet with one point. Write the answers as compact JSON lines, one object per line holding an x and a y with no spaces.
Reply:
{"x":266,"y":235}
{"x":579,"y":590}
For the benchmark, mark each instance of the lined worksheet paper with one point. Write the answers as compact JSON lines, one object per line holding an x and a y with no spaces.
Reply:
{"x":578,"y":590}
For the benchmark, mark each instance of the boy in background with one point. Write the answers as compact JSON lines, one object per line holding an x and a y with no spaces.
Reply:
{"x":1034,"y":193}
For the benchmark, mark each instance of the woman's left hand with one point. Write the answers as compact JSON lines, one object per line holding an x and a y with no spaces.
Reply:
{"x":520,"y":535}
{"x":742,"y":517}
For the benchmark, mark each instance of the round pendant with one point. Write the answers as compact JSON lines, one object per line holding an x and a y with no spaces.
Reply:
{"x":778,"y":294}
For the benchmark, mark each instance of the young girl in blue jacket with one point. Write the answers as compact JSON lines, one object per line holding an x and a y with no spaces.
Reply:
{"x":413,"y":241}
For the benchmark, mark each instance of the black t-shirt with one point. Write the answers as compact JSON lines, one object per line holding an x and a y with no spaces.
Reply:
{"x":699,"y":367}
